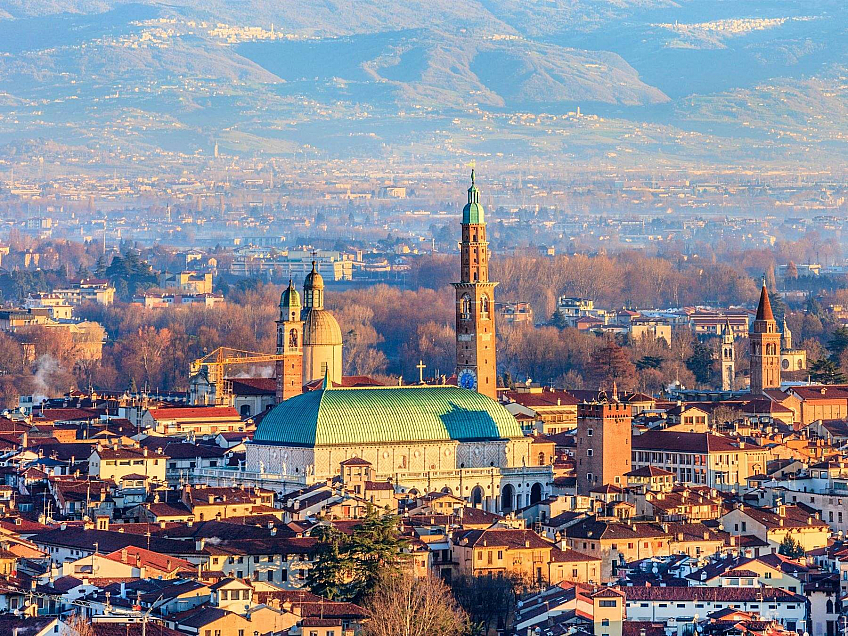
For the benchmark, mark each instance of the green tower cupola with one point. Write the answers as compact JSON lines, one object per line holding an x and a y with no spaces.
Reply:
{"x":472,"y":213}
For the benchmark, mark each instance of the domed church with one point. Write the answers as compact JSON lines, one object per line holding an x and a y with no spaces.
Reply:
{"x":456,"y":439}
{"x":322,"y":337}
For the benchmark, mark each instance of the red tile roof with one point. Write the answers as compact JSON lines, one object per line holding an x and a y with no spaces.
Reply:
{"x":194,"y":413}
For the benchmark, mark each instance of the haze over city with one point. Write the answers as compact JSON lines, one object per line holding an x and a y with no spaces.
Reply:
{"x":359,"y":318}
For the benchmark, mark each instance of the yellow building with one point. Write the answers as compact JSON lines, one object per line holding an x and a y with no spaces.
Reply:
{"x":116,"y":463}
{"x":187,"y":281}
{"x":774,"y":525}
{"x":522,"y":554}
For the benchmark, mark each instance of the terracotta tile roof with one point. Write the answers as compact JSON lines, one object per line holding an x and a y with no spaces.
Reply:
{"x":126,"y":453}
{"x":592,"y":528}
{"x":820,"y":392}
{"x":205,"y":413}
{"x":570,"y":556}
{"x":66,"y":415}
{"x":793,"y":517}
{"x":649,"y":471}
{"x":548,"y":398}
{"x":355,"y":461}
{"x":500,"y":537}
{"x":133,"y":555}
{"x":254,"y":386}
{"x":702,"y":443}
{"x":763,"y":405}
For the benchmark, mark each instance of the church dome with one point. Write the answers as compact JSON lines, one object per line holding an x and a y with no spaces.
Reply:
{"x":290,"y":298}
{"x":321,"y":328}
{"x":313,"y":279}
{"x":378,"y":415}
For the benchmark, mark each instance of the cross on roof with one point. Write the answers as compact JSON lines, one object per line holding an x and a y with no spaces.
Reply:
{"x":421,"y":366}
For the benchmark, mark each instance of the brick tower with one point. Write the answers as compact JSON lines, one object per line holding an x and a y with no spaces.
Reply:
{"x":476,"y":365}
{"x":604,"y":451}
{"x":765,"y":347}
{"x":289,"y":370}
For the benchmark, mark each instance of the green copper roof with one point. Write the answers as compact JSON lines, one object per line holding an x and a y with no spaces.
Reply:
{"x":385,"y":415}
{"x":473,"y":210}
{"x":289,"y":297}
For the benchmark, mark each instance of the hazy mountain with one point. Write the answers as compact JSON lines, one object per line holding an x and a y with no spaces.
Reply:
{"x":322,"y":73}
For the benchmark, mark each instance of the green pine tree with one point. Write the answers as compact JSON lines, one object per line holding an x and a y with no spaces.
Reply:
{"x":791,"y":548}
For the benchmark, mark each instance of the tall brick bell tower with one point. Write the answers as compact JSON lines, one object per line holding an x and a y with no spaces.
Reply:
{"x":289,"y":370}
{"x":476,"y":364}
{"x":765,"y":347}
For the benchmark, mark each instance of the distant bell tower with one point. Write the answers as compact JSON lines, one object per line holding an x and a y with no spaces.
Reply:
{"x":289,"y":370}
{"x":765,"y":347}
{"x":728,"y":359}
{"x":476,"y":365}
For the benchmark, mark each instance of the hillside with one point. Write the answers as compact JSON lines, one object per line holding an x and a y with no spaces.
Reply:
{"x":662,"y":78}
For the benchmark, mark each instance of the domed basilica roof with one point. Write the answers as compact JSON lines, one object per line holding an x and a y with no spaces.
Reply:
{"x":374,"y":415}
{"x":320,"y":328}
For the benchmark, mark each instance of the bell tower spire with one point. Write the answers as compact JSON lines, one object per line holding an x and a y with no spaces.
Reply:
{"x":765,"y":347}
{"x":476,"y":363}
{"x":289,"y":370}
{"x":728,"y":358}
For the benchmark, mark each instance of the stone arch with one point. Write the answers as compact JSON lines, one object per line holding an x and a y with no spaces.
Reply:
{"x":536,"y":493}
{"x":507,"y":498}
{"x":447,"y":490}
{"x":484,"y":306}
{"x":465,"y":307}
{"x":477,"y":496}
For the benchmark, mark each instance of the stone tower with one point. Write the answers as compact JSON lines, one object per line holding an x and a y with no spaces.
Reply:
{"x":603,"y":444}
{"x":476,"y":365}
{"x":787,"y":336}
{"x":289,"y":370}
{"x":728,"y":359}
{"x":765,"y":347}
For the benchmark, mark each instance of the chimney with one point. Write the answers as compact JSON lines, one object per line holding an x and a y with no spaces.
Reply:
{"x":124,"y":555}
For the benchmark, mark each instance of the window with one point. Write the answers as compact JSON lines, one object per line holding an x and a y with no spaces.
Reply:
{"x":589,"y":432}
{"x":604,"y":603}
{"x":605,"y":622}
{"x":465,"y":307}
{"x":589,"y":452}
{"x":293,"y":339}
{"x":484,"y":307}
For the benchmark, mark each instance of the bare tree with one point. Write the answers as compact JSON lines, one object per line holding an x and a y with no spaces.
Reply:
{"x":79,"y":625}
{"x":403,"y":605}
